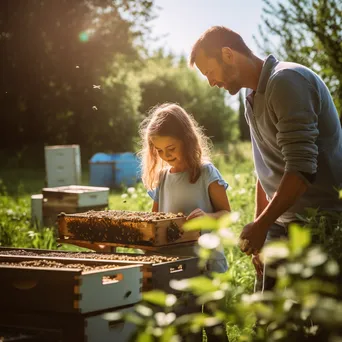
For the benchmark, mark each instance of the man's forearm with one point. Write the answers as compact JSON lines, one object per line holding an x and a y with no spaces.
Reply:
{"x":291,"y":188}
{"x":261,"y":201}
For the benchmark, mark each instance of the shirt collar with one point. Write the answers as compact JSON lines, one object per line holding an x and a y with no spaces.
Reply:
{"x":269,"y":64}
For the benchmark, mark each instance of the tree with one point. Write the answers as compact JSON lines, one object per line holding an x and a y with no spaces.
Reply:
{"x":308,"y":32}
{"x":53,"y":57}
{"x":165,"y":80}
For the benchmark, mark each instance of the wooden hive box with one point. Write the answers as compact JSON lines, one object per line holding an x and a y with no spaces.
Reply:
{"x":43,"y":287}
{"x":53,"y":327}
{"x":72,"y":199}
{"x":62,"y":165}
{"x":143,"y":230}
{"x":157,"y":270}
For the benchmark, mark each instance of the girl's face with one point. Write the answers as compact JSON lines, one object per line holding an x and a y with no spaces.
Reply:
{"x":170,"y":150}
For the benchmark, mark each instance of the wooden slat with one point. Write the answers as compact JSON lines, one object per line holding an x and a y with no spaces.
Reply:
{"x":144,"y":247}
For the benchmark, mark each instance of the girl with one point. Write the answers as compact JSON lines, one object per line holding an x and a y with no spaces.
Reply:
{"x":179,"y":178}
{"x":178,"y":175}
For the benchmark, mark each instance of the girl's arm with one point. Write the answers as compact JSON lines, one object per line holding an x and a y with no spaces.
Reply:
{"x":219,"y":200}
{"x":155,"y":207}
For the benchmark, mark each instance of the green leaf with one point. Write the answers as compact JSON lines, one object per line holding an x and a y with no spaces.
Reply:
{"x":135,"y":319}
{"x":202,"y":285}
{"x":315,"y":257}
{"x":332,"y":268}
{"x":209,"y":241}
{"x":198,"y":285}
{"x":211,"y":296}
{"x":169,"y":334}
{"x":300,"y":238}
{"x":159,"y":298}
{"x":312,"y":212}
{"x":144,"y":310}
{"x":204,"y":222}
{"x":145,"y":337}
{"x":163,"y":319}
{"x":275,"y":250}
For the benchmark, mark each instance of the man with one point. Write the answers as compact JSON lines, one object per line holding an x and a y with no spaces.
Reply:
{"x":295,"y":132}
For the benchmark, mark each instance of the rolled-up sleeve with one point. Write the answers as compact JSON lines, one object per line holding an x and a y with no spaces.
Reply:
{"x":295,"y":104}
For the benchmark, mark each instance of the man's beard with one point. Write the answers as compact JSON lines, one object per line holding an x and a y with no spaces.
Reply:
{"x":232,"y":86}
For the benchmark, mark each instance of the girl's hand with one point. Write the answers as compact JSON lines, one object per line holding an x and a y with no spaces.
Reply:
{"x":196,"y":213}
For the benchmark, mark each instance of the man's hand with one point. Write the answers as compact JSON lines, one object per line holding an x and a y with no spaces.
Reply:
{"x":255,"y":234}
{"x":196,"y":213}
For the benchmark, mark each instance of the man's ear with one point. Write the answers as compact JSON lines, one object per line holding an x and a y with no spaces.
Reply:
{"x":227,"y":55}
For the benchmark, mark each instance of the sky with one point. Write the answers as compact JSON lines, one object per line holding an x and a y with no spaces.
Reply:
{"x":181,"y":22}
{"x":185,"y":20}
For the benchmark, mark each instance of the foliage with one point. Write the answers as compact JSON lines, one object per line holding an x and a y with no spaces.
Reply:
{"x":16,"y":229}
{"x":307,"y":32}
{"x":166,"y":80}
{"x":305,"y":305}
{"x":88,"y":79}
{"x":54,"y":55}
{"x":326,"y":229}
{"x":138,"y":195}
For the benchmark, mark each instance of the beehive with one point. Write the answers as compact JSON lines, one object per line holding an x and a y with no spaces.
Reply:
{"x":125,"y":228}
{"x":72,"y":199}
{"x":62,"y":165}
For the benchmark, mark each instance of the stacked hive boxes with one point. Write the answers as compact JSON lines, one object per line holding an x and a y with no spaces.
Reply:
{"x":81,"y":306}
{"x":62,"y":165}
{"x":64,"y":192}
{"x":67,"y":299}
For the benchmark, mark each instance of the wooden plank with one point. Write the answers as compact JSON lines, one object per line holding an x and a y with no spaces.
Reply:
{"x":144,"y":247}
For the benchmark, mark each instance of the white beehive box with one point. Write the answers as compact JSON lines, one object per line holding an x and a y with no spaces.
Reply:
{"x":63,"y":165}
{"x":72,"y":199}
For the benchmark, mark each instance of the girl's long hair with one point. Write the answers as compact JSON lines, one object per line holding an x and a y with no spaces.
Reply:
{"x":170,"y":119}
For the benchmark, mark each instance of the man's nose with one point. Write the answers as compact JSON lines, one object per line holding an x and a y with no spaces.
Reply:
{"x":167,"y":154}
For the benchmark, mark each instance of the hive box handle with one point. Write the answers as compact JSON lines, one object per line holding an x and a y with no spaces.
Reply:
{"x":118,"y":325}
{"x":112,"y":279}
{"x":25,"y":284}
{"x":179,"y":268}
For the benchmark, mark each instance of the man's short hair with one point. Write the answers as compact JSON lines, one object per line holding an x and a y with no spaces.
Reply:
{"x":214,"y":39}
